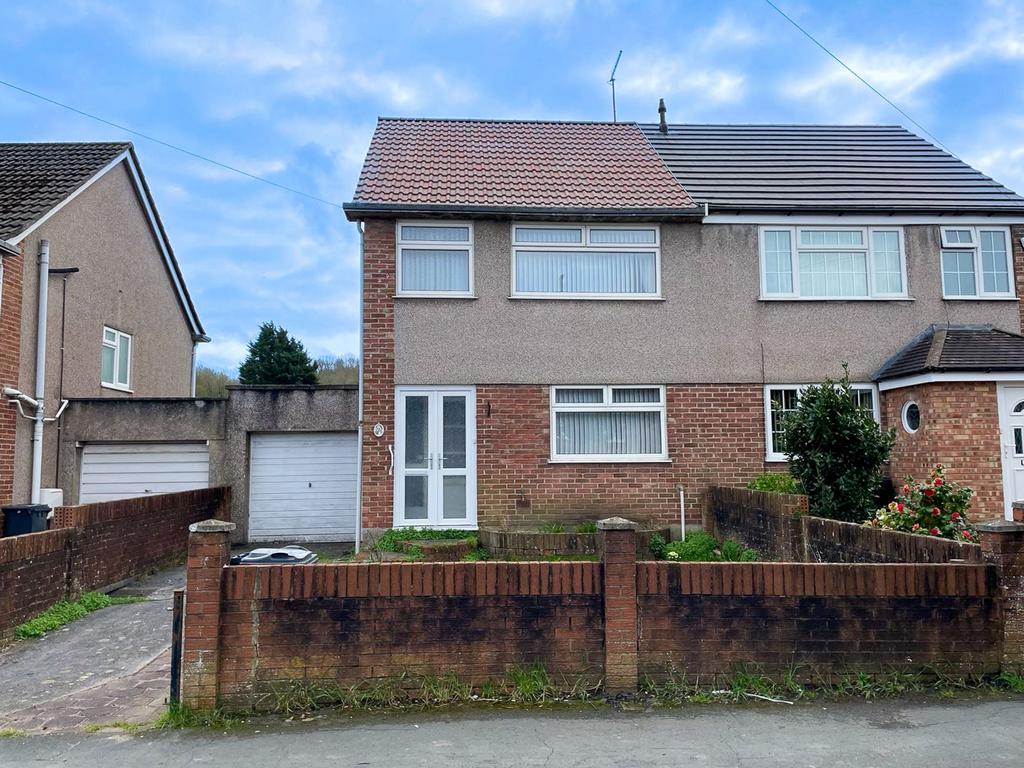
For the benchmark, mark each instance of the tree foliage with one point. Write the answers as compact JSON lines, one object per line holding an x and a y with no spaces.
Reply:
{"x":836,"y":450}
{"x":212,"y":383}
{"x":338,"y":370}
{"x":275,"y":357}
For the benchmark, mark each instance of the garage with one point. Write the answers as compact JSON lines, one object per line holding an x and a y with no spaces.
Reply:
{"x":122,"y":470}
{"x":302,"y":486}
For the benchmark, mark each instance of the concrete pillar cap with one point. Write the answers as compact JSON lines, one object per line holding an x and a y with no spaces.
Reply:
{"x":1000,"y":526}
{"x":211,"y":526}
{"x":617,"y":524}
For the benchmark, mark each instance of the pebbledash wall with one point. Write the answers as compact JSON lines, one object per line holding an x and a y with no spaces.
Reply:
{"x":250,"y":632}
{"x":97,"y":546}
{"x":11,"y":266}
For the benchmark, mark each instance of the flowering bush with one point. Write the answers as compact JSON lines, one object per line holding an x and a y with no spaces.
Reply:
{"x":932,"y":507}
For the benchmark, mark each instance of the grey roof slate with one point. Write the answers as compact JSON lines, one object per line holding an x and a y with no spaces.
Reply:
{"x":36,"y":177}
{"x":824,"y":168}
{"x":973,"y":348}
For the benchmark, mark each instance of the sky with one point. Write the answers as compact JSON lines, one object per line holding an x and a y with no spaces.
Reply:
{"x":291,"y":90}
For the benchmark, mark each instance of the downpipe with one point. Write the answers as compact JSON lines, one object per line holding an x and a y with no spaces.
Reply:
{"x":40,"y":393}
{"x":682,"y":512}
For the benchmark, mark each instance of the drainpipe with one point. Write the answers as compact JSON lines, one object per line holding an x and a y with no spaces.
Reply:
{"x":682,"y":512}
{"x":37,"y":427}
{"x":192,"y":386}
{"x":359,"y":417}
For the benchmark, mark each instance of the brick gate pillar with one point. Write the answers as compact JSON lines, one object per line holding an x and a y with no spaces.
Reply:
{"x":620,"y":607}
{"x":1002,"y":543}
{"x":209,"y":550}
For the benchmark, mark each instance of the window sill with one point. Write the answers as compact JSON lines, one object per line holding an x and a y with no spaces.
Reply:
{"x":461,"y":296}
{"x":523,"y":297}
{"x":980,"y":298}
{"x":610,"y":460}
{"x":829,"y":298}
{"x":776,"y":460}
{"x":117,"y":388}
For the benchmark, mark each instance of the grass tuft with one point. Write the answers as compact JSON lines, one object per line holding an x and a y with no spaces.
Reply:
{"x":64,"y":612}
{"x":181,"y":716}
{"x":122,"y":725}
{"x":552,"y":527}
{"x":11,"y":733}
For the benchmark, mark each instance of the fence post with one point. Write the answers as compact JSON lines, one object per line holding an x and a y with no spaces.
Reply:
{"x":209,"y":550}
{"x":620,"y":606}
{"x":1002,"y":543}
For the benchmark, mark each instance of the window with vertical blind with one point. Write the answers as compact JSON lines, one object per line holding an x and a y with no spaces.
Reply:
{"x":435,"y":258}
{"x":780,"y":400}
{"x":832,"y":263}
{"x":576,"y":261}
{"x":608,"y":424}
{"x":116,"y":359}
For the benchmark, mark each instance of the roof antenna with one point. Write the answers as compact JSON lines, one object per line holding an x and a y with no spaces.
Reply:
{"x":662,"y":125}
{"x":615,"y":117}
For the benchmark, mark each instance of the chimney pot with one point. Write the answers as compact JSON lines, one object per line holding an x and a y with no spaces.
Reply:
{"x":662,"y":125}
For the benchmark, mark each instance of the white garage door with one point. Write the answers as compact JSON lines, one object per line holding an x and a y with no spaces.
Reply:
{"x":302,"y":486}
{"x":123,"y":470}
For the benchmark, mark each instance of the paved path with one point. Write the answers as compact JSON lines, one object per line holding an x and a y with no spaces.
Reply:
{"x":861,"y":734}
{"x":113,"y":665}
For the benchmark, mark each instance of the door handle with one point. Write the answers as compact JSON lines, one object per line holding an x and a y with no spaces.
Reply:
{"x":430,"y":462}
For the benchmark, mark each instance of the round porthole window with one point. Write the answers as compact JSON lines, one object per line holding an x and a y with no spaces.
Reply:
{"x":911,"y":417}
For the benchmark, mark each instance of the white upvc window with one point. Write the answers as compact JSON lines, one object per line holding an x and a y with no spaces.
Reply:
{"x":580,"y":261}
{"x":116,"y":359}
{"x":780,"y":400}
{"x":977,"y":263}
{"x":842,"y":263}
{"x":608,"y":424}
{"x":434,"y":258}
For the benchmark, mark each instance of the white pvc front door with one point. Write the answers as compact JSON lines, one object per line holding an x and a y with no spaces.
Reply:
{"x":435,"y":457}
{"x":1011,"y":417}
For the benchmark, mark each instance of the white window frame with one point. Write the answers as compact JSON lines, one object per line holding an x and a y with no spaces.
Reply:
{"x":980,"y":294}
{"x":770,"y":454}
{"x":607,"y":406}
{"x":434,"y":245}
{"x":585,"y":245}
{"x":795,"y":248}
{"x":116,"y":346}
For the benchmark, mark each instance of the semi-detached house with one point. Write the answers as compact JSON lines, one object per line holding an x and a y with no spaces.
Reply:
{"x":567,"y":320}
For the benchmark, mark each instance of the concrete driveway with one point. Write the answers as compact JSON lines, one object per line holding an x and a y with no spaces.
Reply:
{"x":861,"y":734}
{"x":113,"y":665}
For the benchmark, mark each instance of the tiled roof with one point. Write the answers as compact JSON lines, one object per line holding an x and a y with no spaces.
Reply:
{"x":515,"y":166}
{"x":824,"y":168}
{"x":976,"y":348}
{"x":36,"y":177}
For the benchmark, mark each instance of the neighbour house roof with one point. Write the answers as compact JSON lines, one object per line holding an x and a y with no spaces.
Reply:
{"x":514,"y":166}
{"x":822,"y":168}
{"x":956,"y":348}
{"x":36,"y":179}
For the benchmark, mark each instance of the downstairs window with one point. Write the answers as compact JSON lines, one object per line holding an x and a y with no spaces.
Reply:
{"x":608,"y":423}
{"x":780,"y":400}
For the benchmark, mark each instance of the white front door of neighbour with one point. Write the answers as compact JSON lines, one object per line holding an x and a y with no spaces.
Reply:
{"x":435,"y":457}
{"x":1011,"y":417}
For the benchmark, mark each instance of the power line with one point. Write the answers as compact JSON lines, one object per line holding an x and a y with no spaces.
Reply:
{"x":850,"y":69}
{"x":167,"y":144}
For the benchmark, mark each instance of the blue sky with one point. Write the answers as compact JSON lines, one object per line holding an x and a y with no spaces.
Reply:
{"x":291,"y":90}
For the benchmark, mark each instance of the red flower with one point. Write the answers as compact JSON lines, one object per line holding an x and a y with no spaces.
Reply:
{"x":938,"y":481}
{"x":900,"y":506}
{"x":967,"y":534}
{"x":906,"y":489}
{"x":955,"y":516}
{"x":934,"y":531}
{"x":929,"y":492}
{"x":935,"y":511}
{"x":916,"y":526}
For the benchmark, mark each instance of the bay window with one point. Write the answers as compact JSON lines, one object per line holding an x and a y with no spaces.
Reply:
{"x":976,"y":263}
{"x":585,"y":262}
{"x":832,"y":263}
{"x":435,"y":259}
{"x":608,"y":424}
{"x":780,"y":400}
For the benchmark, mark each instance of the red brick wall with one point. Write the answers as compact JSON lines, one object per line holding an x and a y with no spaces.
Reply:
{"x":378,"y":371}
{"x":97,"y":545}
{"x":715,"y":437}
{"x":959,"y":428}
{"x":10,"y":340}
{"x":33,"y":575}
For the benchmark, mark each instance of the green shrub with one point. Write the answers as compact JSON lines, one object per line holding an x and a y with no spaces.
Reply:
{"x":932,"y":507}
{"x":775,"y":482}
{"x":701,"y":547}
{"x":552,"y":527}
{"x":390,"y":540}
{"x":477,"y":554}
{"x":588,"y":527}
{"x":836,"y":450}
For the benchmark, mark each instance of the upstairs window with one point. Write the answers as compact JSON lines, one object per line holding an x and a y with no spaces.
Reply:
{"x":558,"y":261}
{"x":435,"y":258}
{"x":832,"y":263}
{"x":116,"y":359}
{"x":976,"y":263}
{"x":780,"y":400}
{"x":608,"y":424}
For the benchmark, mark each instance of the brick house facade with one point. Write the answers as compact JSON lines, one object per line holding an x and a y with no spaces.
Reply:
{"x":11,"y":265}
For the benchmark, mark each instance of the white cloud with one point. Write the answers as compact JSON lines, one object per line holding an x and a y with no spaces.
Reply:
{"x":676,"y":75}
{"x":542,"y":10}
{"x":728,"y":31}
{"x":223,"y":353}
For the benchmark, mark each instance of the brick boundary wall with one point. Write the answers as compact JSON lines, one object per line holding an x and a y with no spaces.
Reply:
{"x":252,"y":630}
{"x":777,"y":526}
{"x":97,"y":546}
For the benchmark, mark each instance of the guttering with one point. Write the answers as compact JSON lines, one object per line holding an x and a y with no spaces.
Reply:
{"x":356,"y":211}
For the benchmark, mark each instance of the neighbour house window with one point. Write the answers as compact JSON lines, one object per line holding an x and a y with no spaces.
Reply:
{"x":608,"y":423}
{"x":833,"y":263}
{"x":116,"y":359}
{"x":577,"y":261}
{"x":435,"y":259}
{"x":976,"y":263}
{"x":780,"y":400}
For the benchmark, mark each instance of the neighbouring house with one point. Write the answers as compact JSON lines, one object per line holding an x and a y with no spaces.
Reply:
{"x":119,"y":322}
{"x":567,"y":320}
